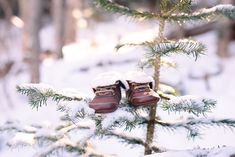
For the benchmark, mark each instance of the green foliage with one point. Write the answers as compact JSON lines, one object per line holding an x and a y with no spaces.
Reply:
{"x":166,"y":47}
{"x":179,"y":11}
{"x":188,"y":104}
{"x":116,"y":8}
{"x":204,"y":14}
{"x":195,"y":126}
{"x":39,"y":94}
{"x":185,"y":46}
{"x":181,"y":6}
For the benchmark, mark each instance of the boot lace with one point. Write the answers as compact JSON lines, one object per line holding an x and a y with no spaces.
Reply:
{"x":141,"y":87}
{"x":105,"y":91}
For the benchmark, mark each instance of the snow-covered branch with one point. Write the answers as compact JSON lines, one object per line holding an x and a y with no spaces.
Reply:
{"x":166,"y":47}
{"x":203,"y":14}
{"x":51,"y":139}
{"x":192,"y":125}
{"x":188,"y":103}
{"x":38,"y":94}
{"x":227,"y":10}
{"x":122,"y":10}
{"x":132,"y":140}
{"x":123,"y":116}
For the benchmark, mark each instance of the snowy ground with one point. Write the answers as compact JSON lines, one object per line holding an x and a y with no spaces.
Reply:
{"x":94,"y":53}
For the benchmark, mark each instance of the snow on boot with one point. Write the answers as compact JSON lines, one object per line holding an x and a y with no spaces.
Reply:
{"x":141,"y":91}
{"x":107,"y":89}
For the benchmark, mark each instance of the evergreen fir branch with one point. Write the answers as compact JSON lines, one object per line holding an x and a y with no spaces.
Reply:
{"x":76,"y":109}
{"x":16,"y":127}
{"x":116,"y":8}
{"x":181,"y":5}
{"x":54,"y":138}
{"x":149,"y":63}
{"x":192,"y":122}
{"x":194,"y":126}
{"x":123,"y":117}
{"x":164,"y":48}
{"x":186,"y":46}
{"x":38,"y":94}
{"x":63,"y":143}
{"x":145,"y":63}
{"x":190,"y":104}
{"x":145,"y":43}
{"x":226,"y":10}
{"x":132,"y":140}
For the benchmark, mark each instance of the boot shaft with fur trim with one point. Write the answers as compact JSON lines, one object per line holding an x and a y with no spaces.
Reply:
{"x":107,"y":89}
{"x":106,"y":98}
{"x":140,"y":92}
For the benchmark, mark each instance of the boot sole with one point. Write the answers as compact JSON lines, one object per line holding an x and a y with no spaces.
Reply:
{"x":144,"y":104}
{"x":106,"y":110}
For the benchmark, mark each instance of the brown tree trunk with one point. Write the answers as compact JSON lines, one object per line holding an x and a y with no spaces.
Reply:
{"x":153,"y":109}
{"x":59,"y":7}
{"x":71,"y":28}
{"x":224,"y":34}
{"x":65,"y":23}
{"x":24,"y":6}
{"x":34,"y":28}
{"x":6,"y":6}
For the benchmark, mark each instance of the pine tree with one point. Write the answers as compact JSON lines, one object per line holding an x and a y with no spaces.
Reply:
{"x":75,"y":106}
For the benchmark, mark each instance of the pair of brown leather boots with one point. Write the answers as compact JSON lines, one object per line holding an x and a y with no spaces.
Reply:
{"x":107,"y":88}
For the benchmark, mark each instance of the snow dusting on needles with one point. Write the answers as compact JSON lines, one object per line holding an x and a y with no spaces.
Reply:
{"x":189,"y":100}
{"x":44,"y":88}
{"x":118,"y":115}
{"x":73,"y":107}
{"x":72,"y":93}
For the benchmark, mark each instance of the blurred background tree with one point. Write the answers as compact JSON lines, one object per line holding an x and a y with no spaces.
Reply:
{"x":65,"y":14}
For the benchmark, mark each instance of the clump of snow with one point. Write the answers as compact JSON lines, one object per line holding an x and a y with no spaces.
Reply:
{"x":117,"y":116}
{"x":61,"y":143}
{"x":73,"y":107}
{"x":28,"y":128}
{"x":72,"y":93}
{"x":225,"y":7}
{"x":109,"y":78}
{"x":139,"y":77}
{"x":21,"y":138}
{"x":195,"y":102}
{"x":46,"y":132}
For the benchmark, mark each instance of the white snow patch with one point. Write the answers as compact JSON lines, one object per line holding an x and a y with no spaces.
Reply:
{"x":109,"y":78}
{"x":72,"y":93}
{"x":21,"y":138}
{"x":139,"y":77}
{"x":46,"y":132}
{"x":73,"y":107}
{"x":189,"y":101}
{"x":118,"y":115}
